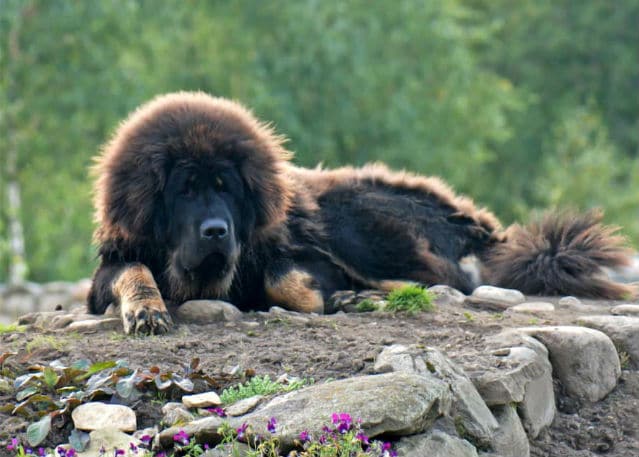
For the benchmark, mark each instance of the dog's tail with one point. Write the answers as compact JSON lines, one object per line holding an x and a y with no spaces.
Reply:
{"x":559,"y":254}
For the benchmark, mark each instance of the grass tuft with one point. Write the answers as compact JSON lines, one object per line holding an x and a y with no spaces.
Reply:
{"x":411,"y":299}
{"x":366,"y":306}
{"x":12,"y":328}
{"x":260,"y":385}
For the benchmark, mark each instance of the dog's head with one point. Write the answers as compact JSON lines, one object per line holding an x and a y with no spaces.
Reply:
{"x":196,"y":176}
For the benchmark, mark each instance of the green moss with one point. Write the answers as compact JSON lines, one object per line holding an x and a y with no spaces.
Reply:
{"x":411,"y":299}
{"x":260,"y":385}
{"x":11,"y":328}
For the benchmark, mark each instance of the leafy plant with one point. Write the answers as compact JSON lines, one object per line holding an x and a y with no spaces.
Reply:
{"x":411,"y":299}
{"x":260,"y":385}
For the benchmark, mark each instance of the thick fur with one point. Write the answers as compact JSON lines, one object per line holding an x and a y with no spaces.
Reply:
{"x":298,"y":235}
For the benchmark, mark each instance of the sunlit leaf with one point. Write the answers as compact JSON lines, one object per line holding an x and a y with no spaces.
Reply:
{"x":38,"y":431}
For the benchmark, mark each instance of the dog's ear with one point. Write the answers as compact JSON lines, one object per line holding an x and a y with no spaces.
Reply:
{"x":128,"y":194}
{"x":263,"y":173}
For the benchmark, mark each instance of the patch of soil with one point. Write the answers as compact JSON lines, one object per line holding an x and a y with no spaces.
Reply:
{"x":340,"y":346}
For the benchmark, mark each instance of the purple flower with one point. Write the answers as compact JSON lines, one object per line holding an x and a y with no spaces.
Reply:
{"x":146,"y":439}
{"x":62,"y":452}
{"x":102,"y":450}
{"x":242,"y":430}
{"x":118,"y":452}
{"x":343,"y":422}
{"x":361,"y":437}
{"x":272,"y":423}
{"x":219,"y":411}
{"x":206,"y":446}
{"x":160,"y":454}
{"x":28,"y":451}
{"x":305,"y":436}
{"x":387,"y":451}
{"x":182,"y":437}
{"x":14,"y":445}
{"x":71,"y":452}
{"x":41,"y":452}
{"x":133,"y":448}
{"x":322,"y":439}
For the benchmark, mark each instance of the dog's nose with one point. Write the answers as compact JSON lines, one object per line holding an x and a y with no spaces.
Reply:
{"x":214,"y":229}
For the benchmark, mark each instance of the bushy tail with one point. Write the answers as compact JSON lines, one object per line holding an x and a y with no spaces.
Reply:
{"x":560,"y":254}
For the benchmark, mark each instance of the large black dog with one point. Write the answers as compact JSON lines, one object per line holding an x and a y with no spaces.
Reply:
{"x":195,"y":198}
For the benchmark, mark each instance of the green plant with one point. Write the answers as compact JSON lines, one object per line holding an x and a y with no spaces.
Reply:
{"x":410,"y":299}
{"x":366,"y":305}
{"x":260,"y":385}
{"x":12,"y":328}
{"x":469,"y":316}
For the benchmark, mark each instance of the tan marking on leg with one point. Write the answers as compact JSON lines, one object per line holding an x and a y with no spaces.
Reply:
{"x":293,"y":291}
{"x":141,"y":304}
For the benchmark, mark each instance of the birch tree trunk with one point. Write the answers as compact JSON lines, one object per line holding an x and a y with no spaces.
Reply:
{"x":17,"y":259}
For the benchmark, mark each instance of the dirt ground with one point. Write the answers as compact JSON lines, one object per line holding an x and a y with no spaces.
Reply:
{"x":340,"y":346}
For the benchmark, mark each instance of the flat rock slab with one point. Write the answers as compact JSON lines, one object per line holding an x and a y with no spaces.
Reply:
{"x":585,"y":360}
{"x":622,"y":330}
{"x":244,"y":406}
{"x":97,"y":415}
{"x":511,"y":439}
{"x":393,"y":403}
{"x":202,"y":400}
{"x":447,"y":296}
{"x":435,"y":444}
{"x":95,"y":325}
{"x":625,"y":310}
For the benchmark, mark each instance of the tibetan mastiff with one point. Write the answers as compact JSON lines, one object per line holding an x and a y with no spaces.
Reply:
{"x":195,"y":198}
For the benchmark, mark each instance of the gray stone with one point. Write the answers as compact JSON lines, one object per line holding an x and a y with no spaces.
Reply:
{"x":569,"y":301}
{"x":203,"y":430}
{"x":394,"y":403}
{"x":625,"y":310}
{"x":468,"y":408}
{"x":622,"y":330}
{"x":510,"y":439}
{"x":486,"y":304}
{"x":176,"y":413}
{"x":533,"y":308}
{"x":202,"y":400}
{"x":95,"y":325}
{"x":107,"y":439}
{"x":491,"y":293}
{"x":584,"y":360}
{"x":447,"y":296}
{"x":524,"y":377}
{"x":244,"y":406}
{"x":434,"y":444}
{"x":97,"y":415}
{"x":207,"y":311}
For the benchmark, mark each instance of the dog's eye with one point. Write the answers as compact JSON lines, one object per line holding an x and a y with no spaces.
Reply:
{"x":189,"y":188}
{"x":218,"y":183}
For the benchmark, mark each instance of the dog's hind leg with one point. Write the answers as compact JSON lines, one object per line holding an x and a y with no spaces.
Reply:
{"x":294,"y":289}
{"x":133,"y":288}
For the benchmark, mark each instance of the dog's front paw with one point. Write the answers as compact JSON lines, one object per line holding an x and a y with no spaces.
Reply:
{"x":146,"y":317}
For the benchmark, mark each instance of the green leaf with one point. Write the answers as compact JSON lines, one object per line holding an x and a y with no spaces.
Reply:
{"x":38,"y":431}
{"x":79,"y":440}
{"x":26,"y":393}
{"x":50,"y":377}
{"x":96,"y":368}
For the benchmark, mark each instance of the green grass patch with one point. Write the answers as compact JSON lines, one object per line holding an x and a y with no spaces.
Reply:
{"x":260,"y":385}
{"x":410,"y":299}
{"x":12,"y":328}
{"x":366,"y":306}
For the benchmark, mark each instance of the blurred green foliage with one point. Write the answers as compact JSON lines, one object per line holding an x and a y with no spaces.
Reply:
{"x":522,"y":105}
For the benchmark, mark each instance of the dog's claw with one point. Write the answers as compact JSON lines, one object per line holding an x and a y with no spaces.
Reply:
{"x":143,"y":318}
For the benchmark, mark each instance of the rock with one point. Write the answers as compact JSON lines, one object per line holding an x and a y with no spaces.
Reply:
{"x":244,"y":406}
{"x":471,"y":415}
{"x":490,"y":293}
{"x":434,"y":444}
{"x":622,"y":330}
{"x":393,"y":403}
{"x":97,"y":415}
{"x":107,"y":439}
{"x":204,"y":430}
{"x":584,"y":360}
{"x":39,"y":318}
{"x":447,"y":296}
{"x":175,"y":413}
{"x":525,"y":379}
{"x":207,"y":311}
{"x":95,"y":325}
{"x":485,"y":304}
{"x":625,"y":310}
{"x":569,"y":301}
{"x":203,"y":400}
{"x":510,"y":439}
{"x":226,"y":450}
{"x":533,"y":308}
